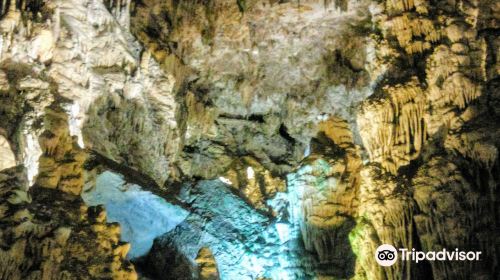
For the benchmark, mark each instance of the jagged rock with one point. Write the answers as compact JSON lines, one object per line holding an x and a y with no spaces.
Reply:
{"x":61,"y":164}
{"x":253,"y":181}
{"x":243,"y":242}
{"x":453,"y":214}
{"x":142,"y":215}
{"x":248,"y":92}
{"x":207,"y":268}
{"x":323,"y":201}
{"x":392,"y":127}
{"x":8,"y":160}
{"x":384,"y":216}
{"x":48,"y":234}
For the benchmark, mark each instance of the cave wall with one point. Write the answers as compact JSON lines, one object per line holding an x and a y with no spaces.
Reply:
{"x":257,"y":79}
{"x":413,"y":91}
{"x":337,"y":125}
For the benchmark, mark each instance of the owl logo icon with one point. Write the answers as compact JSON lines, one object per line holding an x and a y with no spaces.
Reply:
{"x":386,"y":255}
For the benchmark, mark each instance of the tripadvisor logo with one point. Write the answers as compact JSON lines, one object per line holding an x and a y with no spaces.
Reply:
{"x":387,"y":255}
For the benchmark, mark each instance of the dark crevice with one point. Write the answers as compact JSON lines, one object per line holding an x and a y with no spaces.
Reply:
{"x":252,"y":118}
{"x":284,"y":133}
{"x":341,"y":60}
{"x":423,"y":269}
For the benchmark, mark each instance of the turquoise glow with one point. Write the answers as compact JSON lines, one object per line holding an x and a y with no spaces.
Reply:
{"x":142,"y":215}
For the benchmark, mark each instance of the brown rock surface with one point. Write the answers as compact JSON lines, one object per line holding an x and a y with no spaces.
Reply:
{"x":49,"y":234}
{"x":382,"y":115}
{"x":207,"y":268}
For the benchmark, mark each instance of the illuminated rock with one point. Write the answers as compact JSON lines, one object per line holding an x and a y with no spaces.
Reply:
{"x":452,"y":214}
{"x":392,"y":127}
{"x":207,"y":268}
{"x":63,"y":236}
{"x":253,"y":181}
{"x":381,"y":115}
{"x":8,"y":160}
{"x":142,"y":215}
{"x":244,"y":243}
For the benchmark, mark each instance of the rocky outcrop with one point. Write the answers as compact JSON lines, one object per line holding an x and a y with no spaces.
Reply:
{"x":75,"y":53}
{"x":61,"y":162}
{"x":253,"y":182}
{"x":244,"y":243}
{"x":49,"y":234}
{"x":392,"y":127}
{"x":456,"y":212}
{"x":207,"y":268}
{"x":248,"y":91}
{"x":47,"y":230}
{"x":219,"y":221}
{"x":416,"y":127}
{"x":384,"y":216}
{"x":450,"y":61}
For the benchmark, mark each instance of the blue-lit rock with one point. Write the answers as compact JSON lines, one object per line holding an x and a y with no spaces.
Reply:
{"x":142,"y":215}
{"x":245,"y":243}
{"x":321,"y":206}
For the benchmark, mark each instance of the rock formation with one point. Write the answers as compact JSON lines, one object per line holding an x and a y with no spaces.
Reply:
{"x":52,"y":234}
{"x":260,"y":139}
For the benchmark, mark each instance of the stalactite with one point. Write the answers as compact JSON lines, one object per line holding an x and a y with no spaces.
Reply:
{"x":385,"y":214}
{"x":393,"y":128}
{"x":401,"y":5}
{"x":451,"y":212}
{"x":474,"y":145}
{"x":410,"y":30}
{"x":456,"y":90}
{"x":332,"y":195}
{"x":453,"y":83}
{"x":10,"y":20}
{"x":376,"y":127}
{"x":441,"y":64}
{"x":120,"y":10}
{"x":338,"y":131}
{"x":200,"y":117}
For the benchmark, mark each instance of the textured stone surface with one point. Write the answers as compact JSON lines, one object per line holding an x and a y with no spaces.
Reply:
{"x":142,"y":215}
{"x":48,"y":234}
{"x":244,"y":243}
{"x":8,"y":160}
{"x":253,"y":182}
{"x":381,"y":115}
{"x":456,"y":213}
{"x":259,"y":75}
